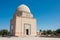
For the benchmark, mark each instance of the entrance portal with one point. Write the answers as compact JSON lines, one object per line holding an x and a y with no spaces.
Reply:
{"x":27,"y":32}
{"x":27,"y":29}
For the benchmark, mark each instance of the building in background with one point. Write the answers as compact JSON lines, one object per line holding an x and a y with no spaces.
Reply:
{"x":23,"y":23}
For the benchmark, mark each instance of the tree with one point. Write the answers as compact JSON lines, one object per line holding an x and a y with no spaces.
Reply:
{"x":0,"y":32}
{"x":44,"y":32}
{"x":57,"y":31}
{"x":54,"y":32}
{"x":4,"y":32}
{"x":49,"y":32}
{"x":40,"y":30}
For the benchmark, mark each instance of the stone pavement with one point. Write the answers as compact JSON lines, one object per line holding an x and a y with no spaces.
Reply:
{"x":28,"y":38}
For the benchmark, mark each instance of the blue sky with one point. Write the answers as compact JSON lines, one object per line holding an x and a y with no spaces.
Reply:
{"x":47,"y":12}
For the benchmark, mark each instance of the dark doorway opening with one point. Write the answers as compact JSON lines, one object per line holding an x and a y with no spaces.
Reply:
{"x":27,"y":32}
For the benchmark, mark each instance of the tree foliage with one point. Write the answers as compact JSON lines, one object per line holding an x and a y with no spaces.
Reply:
{"x":4,"y":32}
{"x":55,"y":32}
{"x":44,"y":32}
{"x":58,"y":31}
{"x":49,"y":32}
{"x":40,"y":30}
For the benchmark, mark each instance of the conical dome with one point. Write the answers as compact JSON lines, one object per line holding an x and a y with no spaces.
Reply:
{"x":23,"y":8}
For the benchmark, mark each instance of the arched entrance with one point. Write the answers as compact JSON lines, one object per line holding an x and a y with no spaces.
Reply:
{"x":27,"y":29}
{"x":27,"y":32}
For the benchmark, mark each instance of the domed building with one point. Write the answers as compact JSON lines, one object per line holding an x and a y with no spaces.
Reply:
{"x":23,"y":23}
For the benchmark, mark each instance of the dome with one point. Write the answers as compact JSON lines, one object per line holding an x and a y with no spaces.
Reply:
{"x":23,"y":8}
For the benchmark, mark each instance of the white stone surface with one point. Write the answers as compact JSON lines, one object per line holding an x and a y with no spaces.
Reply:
{"x":27,"y":38}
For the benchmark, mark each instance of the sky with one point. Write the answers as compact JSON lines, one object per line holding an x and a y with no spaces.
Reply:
{"x":46,"y":12}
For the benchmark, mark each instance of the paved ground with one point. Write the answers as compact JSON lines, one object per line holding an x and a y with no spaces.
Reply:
{"x":27,"y":38}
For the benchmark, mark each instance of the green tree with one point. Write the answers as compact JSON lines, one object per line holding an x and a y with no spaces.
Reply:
{"x":4,"y":32}
{"x":49,"y":32}
{"x":44,"y":32}
{"x":0,"y":32}
{"x":57,"y":31}
{"x":53,"y":32}
{"x":40,"y":30}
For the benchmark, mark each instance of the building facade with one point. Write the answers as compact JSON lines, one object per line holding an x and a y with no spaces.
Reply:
{"x":23,"y":23}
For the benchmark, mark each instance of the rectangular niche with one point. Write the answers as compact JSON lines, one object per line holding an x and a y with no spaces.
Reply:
{"x":27,"y":27}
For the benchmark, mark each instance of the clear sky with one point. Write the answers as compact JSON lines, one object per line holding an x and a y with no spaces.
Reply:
{"x":46,"y":12}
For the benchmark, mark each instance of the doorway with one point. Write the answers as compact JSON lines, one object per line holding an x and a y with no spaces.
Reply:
{"x":27,"y":32}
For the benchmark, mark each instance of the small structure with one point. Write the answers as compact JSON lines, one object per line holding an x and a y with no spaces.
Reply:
{"x":23,"y":23}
